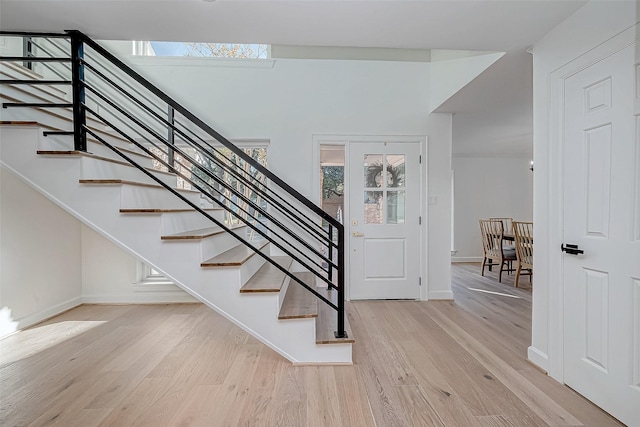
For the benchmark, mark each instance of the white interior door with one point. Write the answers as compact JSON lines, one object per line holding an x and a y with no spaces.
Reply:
{"x":384,"y":223}
{"x":602,"y":216}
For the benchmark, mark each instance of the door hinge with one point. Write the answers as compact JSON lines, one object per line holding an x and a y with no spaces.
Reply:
{"x":420,"y":220}
{"x":420,"y":159}
{"x":419,"y":281}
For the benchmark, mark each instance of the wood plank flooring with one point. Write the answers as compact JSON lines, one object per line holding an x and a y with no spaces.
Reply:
{"x":438,"y":363}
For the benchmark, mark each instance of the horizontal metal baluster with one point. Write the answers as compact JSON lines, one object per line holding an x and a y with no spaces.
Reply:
{"x":199,"y":188}
{"x":218,"y":180}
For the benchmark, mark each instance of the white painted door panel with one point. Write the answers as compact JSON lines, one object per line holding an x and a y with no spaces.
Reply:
{"x":384,"y":186}
{"x":602,"y":216}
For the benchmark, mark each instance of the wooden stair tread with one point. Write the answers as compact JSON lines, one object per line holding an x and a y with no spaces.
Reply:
{"x":268,"y":278}
{"x":298,"y":302}
{"x":18,"y":123}
{"x":235,"y":256}
{"x":127,"y":182}
{"x":201,"y":233}
{"x":327,"y":321}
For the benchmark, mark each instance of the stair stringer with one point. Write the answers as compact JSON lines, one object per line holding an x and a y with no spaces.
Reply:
{"x":257,"y":314}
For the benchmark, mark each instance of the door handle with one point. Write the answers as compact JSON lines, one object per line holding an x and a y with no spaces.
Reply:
{"x":571,"y":249}
{"x":357,"y":234}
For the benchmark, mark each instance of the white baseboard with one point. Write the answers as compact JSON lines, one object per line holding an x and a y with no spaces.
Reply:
{"x":34,"y":318}
{"x":140,"y":298}
{"x":538,"y":358}
{"x":440,"y":295}
{"x":466,"y":259}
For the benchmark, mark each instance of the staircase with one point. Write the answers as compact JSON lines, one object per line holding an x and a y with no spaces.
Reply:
{"x":106,"y":160}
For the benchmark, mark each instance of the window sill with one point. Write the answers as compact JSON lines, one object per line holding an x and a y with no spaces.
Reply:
{"x":155,"y":286}
{"x":189,"y":61}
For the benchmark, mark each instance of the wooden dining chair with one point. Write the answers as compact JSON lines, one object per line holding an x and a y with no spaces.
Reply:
{"x":507,"y":224}
{"x":492,"y":232}
{"x":524,"y":249}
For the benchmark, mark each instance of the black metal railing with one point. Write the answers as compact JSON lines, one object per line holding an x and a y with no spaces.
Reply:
{"x":107,"y":91}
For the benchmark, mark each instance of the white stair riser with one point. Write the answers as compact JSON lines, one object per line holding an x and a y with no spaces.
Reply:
{"x":59,"y":118}
{"x":65,"y":143}
{"x":283,"y":291}
{"x":142,"y":197}
{"x":54,"y":93}
{"x":215,"y":245}
{"x":177,"y":222}
{"x":101,"y":169}
{"x":218,"y":288}
{"x":250,"y":267}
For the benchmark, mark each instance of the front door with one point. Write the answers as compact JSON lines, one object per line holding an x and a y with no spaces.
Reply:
{"x":602,"y":216}
{"x":384,"y":223}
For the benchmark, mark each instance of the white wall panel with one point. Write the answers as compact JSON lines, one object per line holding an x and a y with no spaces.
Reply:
{"x":598,"y":179}
{"x":597,"y":96}
{"x":635,"y":339}
{"x":596,"y":284}
{"x":385,"y":258}
{"x":637,"y":71}
{"x":40,"y":255}
{"x":636,"y":214}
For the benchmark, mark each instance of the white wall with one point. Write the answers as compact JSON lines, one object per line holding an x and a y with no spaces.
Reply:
{"x":111,"y":275}
{"x":50,"y":262}
{"x":439,"y":213}
{"x":488,"y":187}
{"x":590,"y":26}
{"x":40,"y":259}
{"x":449,"y":74}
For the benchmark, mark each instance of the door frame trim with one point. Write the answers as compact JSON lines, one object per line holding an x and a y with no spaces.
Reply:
{"x":346,"y":140}
{"x":553,"y":359}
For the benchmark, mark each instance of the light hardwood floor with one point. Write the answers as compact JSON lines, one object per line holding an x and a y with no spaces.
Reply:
{"x":433,"y":363}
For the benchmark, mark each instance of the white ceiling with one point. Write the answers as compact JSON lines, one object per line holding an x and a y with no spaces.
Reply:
{"x":492,"y":114}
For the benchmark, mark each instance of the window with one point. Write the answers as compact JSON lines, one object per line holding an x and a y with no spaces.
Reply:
{"x":332,"y":188}
{"x":203,"y":50}
{"x":149,"y":279}
{"x":237,"y":210}
{"x":332,"y":180}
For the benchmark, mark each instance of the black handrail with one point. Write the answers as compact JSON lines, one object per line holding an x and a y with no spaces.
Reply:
{"x":87,"y":56}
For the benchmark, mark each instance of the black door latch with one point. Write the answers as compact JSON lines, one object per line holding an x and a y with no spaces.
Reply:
{"x":571,"y":249}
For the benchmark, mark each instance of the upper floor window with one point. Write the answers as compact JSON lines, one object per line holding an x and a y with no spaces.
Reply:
{"x":206,"y":50}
